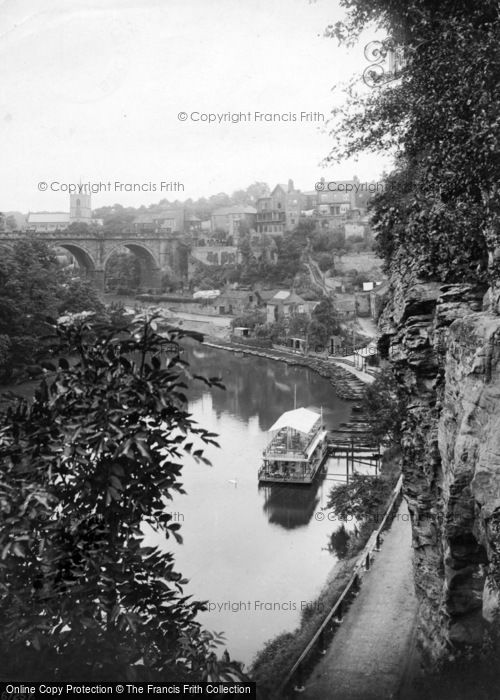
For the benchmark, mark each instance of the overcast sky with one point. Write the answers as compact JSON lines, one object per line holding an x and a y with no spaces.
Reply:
{"x":92,"y":90}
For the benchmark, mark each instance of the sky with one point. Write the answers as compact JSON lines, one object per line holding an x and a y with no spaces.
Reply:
{"x":92,"y":91}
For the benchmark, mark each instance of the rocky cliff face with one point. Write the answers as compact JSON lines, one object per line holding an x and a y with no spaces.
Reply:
{"x":444,"y":343}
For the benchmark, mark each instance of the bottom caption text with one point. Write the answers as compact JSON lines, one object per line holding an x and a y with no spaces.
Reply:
{"x":33,"y":691}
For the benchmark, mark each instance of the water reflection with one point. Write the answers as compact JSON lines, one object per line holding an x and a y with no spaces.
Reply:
{"x":259,"y":387}
{"x":339,"y":542}
{"x":291,"y":505}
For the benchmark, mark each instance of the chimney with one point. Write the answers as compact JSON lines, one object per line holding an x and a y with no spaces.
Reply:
{"x":290,"y":185}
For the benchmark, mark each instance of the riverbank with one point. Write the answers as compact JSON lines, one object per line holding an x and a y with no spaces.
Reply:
{"x":347,"y":380}
{"x":347,"y":385}
{"x":276,"y":658}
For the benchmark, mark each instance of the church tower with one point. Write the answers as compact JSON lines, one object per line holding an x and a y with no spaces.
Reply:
{"x":80,"y":208}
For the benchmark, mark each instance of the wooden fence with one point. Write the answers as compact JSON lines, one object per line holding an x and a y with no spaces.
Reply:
{"x":294,"y":679}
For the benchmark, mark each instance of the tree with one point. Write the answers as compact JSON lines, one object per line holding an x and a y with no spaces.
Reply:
{"x":245,"y":249}
{"x":363,"y":497}
{"x":278,"y":329}
{"x":239,"y":197}
{"x":299,"y":325}
{"x":321,"y":242}
{"x":318,"y":335}
{"x":385,"y":404}
{"x":290,"y":250}
{"x":90,"y":464}
{"x":80,"y":295}
{"x":250,"y":319}
{"x":219,"y":200}
{"x":29,"y":291}
{"x":78,"y":228}
{"x":11,"y":223}
{"x":256,"y":191}
{"x":326,"y":314}
{"x":117,"y":218}
{"x":325,"y":262}
{"x":123,"y":272}
{"x":440,"y":208}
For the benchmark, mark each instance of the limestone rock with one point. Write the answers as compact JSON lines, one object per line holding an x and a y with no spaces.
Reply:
{"x":444,"y":344}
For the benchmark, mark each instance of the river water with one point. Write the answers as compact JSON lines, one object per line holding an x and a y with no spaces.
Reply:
{"x":257,"y":554}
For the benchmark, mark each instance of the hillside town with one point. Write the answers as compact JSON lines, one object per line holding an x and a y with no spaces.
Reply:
{"x":267,"y":259}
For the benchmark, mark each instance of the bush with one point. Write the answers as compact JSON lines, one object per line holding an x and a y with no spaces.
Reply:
{"x":91,"y":462}
{"x":385,"y":407}
{"x":363,"y":497}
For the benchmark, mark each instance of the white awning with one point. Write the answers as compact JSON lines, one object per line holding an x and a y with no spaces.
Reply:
{"x":301,"y":419}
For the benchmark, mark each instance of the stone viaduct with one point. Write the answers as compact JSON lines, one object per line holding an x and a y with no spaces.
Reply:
{"x":157,"y":253}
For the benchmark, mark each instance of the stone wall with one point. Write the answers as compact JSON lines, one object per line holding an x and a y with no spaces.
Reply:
{"x":216,"y":254}
{"x":444,"y":344}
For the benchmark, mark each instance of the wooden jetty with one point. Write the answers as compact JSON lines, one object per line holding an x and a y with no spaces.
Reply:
{"x":355,"y":442}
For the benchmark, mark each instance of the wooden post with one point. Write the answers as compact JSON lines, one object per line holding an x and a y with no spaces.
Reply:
{"x":322,"y":644}
{"x":299,"y":686}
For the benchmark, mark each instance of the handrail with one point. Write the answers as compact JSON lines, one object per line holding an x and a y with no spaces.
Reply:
{"x":363,"y":561}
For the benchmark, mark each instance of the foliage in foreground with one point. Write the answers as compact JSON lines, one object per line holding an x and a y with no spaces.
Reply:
{"x":32,"y":287}
{"x":86,"y":467}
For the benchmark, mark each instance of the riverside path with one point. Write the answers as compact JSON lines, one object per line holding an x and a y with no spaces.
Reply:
{"x":367,"y":658}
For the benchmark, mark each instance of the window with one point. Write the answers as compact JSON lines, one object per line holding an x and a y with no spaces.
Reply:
{"x":77,"y":202}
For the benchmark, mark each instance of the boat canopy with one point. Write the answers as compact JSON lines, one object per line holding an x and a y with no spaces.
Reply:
{"x":301,"y":419}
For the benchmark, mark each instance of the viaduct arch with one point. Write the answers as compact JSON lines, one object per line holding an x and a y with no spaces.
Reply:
{"x":157,"y":253}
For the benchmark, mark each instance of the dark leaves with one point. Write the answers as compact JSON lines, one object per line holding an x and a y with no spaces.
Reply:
{"x":87,"y":466}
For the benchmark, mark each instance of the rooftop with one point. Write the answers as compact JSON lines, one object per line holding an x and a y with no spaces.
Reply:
{"x":237,"y":293}
{"x":301,"y":419}
{"x":267,"y":294}
{"x":286,"y":296}
{"x":48,"y":217}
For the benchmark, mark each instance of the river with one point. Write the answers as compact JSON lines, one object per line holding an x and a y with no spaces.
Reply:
{"x":257,"y":554}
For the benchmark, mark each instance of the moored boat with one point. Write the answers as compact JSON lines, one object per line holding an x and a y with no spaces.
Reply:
{"x":297,"y":449}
